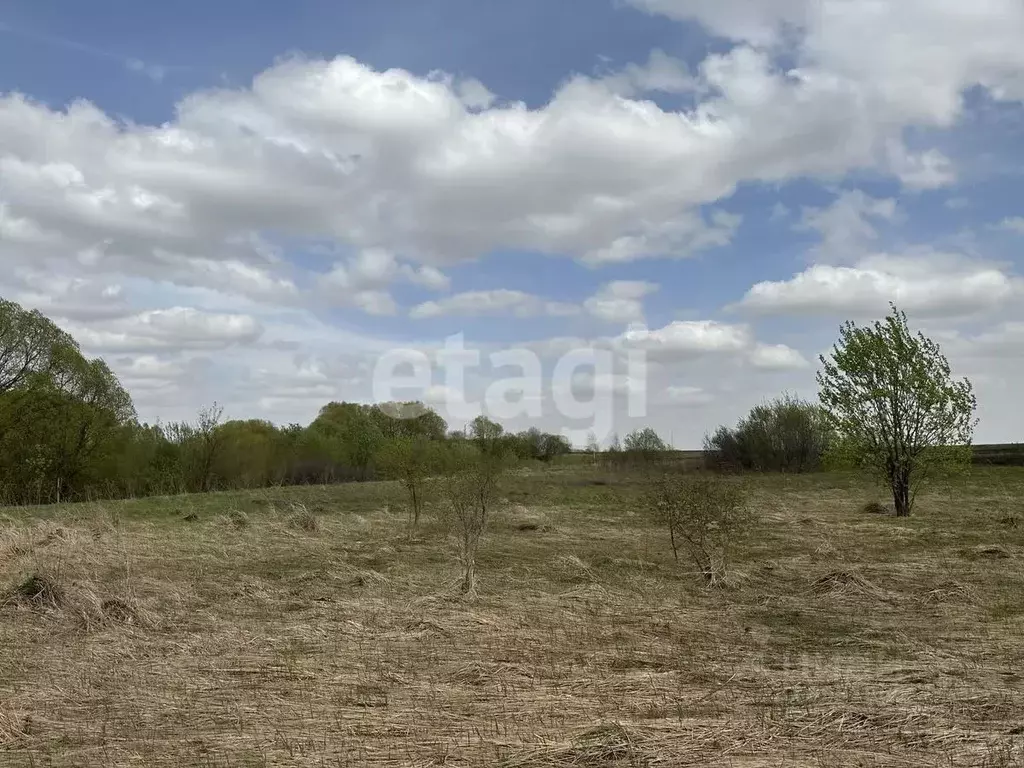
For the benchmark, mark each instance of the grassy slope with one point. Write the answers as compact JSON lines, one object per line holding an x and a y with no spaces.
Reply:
{"x":844,"y":639}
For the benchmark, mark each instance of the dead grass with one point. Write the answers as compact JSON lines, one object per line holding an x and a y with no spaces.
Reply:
{"x":304,"y":520}
{"x":130,"y":637}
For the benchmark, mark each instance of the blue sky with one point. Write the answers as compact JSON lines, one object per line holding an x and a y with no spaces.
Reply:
{"x":252,"y":202}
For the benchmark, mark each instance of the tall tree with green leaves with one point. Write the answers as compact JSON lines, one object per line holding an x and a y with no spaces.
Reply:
{"x":351,"y":434}
{"x":895,"y":407}
{"x":29,"y":343}
{"x":60,"y":429}
{"x":645,"y":443}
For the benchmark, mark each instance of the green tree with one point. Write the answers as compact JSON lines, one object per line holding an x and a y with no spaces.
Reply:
{"x":29,"y":343}
{"x":486,"y":434}
{"x":644,"y":444}
{"x":351,"y":434}
{"x":201,"y":445}
{"x":63,"y":427}
{"x":894,"y":406}
{"x":408,"y":419}
{"x":254,"y":454}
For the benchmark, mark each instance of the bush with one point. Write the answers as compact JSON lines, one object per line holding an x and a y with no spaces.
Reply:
{"x":785,"y":435}
{"x":469,"y":488}
{"x":706,"y":516}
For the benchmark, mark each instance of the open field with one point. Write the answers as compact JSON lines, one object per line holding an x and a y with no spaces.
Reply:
{"x":251,"y":634}
{"x":995,"y":454}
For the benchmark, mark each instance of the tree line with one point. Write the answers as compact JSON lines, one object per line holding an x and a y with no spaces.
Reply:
{"x":69,"y":430}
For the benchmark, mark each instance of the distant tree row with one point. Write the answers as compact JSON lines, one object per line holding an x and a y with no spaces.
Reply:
{"x":69,"y":431}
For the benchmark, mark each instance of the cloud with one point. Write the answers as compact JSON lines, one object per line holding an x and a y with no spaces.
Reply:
{"x":378,"y":268}
{"x":177,"y":328}
{"x":689,"y":337}
{"x":934,"y":284}
{"x":361,"y":281}
{"x":688,"y":340}
{"x":848,"y":226}
{"x":434,"y":170}
{"x":777,"y":357}
{"x":154,"y":72}
{"x":500,"y":301}
{"x":687,"y":234}
{"x":927,"y":170}
{"x":661,"y":73}
{"x":620,"y":301}
{"x":1013,"y":224}
{"x":689,"y":396}
{"x":588,"y":383}
{"x":910,"y":59}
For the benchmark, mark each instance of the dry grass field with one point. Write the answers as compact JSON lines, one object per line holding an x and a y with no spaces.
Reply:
{"x":312,"y":627}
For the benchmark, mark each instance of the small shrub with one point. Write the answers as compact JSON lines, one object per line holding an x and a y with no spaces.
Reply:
{"x":469,"y":489}
{"x":705,"y":516}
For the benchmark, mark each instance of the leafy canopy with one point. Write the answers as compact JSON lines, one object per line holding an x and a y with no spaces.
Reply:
{"x":894,"y":405}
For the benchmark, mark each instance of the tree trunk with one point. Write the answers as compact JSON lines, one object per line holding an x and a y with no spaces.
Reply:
{"x":901,"y":494}
{"x":469,"y":576}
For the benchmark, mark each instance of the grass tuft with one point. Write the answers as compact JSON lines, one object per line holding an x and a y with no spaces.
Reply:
{"x":39,"y":590}
{"x":875,"y":508}
{"x":304,"y":520}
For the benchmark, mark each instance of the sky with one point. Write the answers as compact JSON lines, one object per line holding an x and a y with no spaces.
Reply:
{"x":592,"y":216}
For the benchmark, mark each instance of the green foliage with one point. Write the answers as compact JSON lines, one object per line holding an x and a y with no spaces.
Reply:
{"x":645,"y":442}
{"x":30,"y":344}
{"x":61,"y":416}
{"x":68,"y":431}
{"x":407,"y":420}
{"x":642,"y":448}
{"x":706,"y":516}
{"x":894,"y":406}
{"x":535,"y":445}
{"x":784,"y":435}
{"x":351,"y":434}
